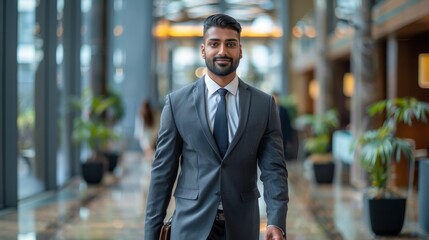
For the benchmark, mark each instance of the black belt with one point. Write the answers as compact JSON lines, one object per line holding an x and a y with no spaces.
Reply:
{"x":220,"y":216}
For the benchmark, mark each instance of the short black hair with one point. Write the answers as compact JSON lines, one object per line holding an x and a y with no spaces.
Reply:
{"x":222,"y":21}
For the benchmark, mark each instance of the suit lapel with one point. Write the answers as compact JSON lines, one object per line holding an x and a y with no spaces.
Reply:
{"x":200,"y":107}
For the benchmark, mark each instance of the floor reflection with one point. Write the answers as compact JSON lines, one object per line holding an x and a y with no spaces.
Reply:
{"x":116,"y":209}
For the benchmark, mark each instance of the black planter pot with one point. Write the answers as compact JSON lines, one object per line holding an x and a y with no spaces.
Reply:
{"x":385,"y":216}
{"x":112,"y":160}
{"x":324,"y":172}
{"x":93,"y":171}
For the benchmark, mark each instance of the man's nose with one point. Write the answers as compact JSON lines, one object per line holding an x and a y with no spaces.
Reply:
{"x":222,"y":49}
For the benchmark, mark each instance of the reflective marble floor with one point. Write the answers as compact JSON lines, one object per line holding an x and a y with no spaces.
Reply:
{"x":116,"y":209}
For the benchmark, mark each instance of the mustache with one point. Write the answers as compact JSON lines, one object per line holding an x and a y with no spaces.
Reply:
{"x":222,"y":58}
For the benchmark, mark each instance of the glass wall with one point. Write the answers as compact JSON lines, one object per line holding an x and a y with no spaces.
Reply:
{"x":87,"y":51}
{"x":39,"y":69}
{"x":63,"y":152}
{"x":31,"y":176}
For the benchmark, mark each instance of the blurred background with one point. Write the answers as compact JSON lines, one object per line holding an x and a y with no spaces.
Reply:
{"x":74,"y":73}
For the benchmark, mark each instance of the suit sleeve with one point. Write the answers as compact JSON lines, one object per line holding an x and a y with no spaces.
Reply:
{"x":164,"y":172}
{"x":273,"y":171}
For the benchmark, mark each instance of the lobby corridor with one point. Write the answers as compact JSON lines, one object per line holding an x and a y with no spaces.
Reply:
{"x":116,"y":209}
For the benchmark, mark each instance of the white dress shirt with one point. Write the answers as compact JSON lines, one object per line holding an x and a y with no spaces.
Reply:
{"x":232,"y":107}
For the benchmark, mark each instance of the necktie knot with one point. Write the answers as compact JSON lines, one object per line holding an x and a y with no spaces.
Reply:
{"x":222,"y":91}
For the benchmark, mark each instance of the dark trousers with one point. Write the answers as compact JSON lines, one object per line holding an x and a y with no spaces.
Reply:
{"x":218,"y":229}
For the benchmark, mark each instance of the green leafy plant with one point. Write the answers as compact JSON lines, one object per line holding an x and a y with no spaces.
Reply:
{"x":91,"y":128}
{"x":115,"y":110}
{"x":320,"y":128}
{"x":378,"y":148}
{"x":25,"y":122}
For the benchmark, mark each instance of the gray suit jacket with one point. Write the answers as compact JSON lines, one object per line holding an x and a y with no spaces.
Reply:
{"x":186,"y":142}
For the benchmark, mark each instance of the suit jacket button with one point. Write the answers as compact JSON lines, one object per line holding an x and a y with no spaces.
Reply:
{"x":217,"y":193}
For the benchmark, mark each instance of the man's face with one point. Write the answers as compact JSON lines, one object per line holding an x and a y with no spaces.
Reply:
{"x":221,"y":50}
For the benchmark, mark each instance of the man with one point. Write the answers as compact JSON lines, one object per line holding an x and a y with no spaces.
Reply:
{"x":216,"y":194}
{"x":284,"y":122}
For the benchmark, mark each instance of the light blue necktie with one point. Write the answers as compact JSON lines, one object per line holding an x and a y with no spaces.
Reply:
{"x":220,"y":128}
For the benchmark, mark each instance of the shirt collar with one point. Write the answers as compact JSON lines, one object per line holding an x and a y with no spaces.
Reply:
{"x":212,"y":86}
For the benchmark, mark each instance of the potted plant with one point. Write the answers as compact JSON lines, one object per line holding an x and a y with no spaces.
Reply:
{"x":111,"y":115}
{"x":317,"y":143}
{"x":93,"y":131}
{"x":377,"y":149}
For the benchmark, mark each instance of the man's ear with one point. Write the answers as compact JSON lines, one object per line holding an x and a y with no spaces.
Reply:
{"x":203,"y":51}
{"x":241,"y":52}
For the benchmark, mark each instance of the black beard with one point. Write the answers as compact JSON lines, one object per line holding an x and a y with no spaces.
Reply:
{"x":223,"y":70}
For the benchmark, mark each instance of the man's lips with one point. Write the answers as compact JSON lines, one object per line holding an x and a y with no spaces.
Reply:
{"x":223,"y":60}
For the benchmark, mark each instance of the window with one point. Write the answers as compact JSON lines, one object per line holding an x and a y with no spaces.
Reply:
{"x":31,"y":175}
{"x":63,"y":169}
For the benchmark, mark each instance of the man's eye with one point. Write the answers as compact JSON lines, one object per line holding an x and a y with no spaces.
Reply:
{"x":231,"y":44}
{"x":213,"y":44}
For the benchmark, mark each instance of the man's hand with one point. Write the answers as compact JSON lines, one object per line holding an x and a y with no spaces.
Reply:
{"x":274,"y":233}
